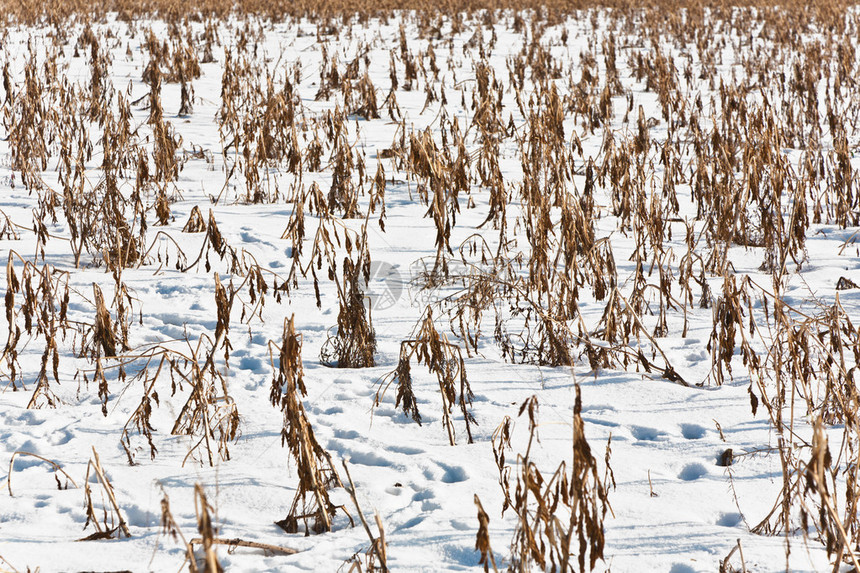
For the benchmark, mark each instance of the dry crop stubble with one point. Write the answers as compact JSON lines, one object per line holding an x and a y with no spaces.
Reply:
{"x":574,"y":262}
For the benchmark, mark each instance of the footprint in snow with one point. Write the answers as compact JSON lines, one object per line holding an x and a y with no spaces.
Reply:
{"x":248,"y":236}
{"x":697,"y":356}
{"x":423,"y":495}
{"x":407,"y":450}
{"x":645,"y":434}
{"x":411,"y":523}
{"x":369,"y":459}
{"x":693,"y":472}
{"x":346,"y":434}
{"x":453,"y":474}
{"x":450,"y":474}
{"x":60,"y":437}
{"x":729,"y":520}
{"x":693,"y":431}
{"x":253,"y":364}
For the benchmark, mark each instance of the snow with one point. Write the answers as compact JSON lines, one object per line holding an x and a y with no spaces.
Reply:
{"x":674,"y":507}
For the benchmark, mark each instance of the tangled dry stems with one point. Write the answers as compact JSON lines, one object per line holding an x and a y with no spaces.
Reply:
{"x":547,"y":251}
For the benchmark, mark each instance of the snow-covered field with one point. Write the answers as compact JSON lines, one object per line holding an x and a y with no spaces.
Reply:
{"x":487,"y":91}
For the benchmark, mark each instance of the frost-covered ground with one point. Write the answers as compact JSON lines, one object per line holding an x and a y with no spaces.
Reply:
{"x":674,"y":507}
